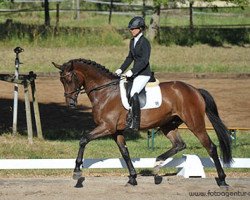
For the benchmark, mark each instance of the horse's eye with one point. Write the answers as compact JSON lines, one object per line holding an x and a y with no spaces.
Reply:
{"x":68,"y":79}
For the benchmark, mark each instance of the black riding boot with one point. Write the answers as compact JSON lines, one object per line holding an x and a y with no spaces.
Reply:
{"x":134,"y":115}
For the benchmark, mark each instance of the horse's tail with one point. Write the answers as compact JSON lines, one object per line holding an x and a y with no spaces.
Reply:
{"x":219,"y":127}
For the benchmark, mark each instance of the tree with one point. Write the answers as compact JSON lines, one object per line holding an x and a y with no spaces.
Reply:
{"x":153,"y":31}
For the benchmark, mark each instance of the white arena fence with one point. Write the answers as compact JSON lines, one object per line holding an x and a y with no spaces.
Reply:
{"x":188,"y":165}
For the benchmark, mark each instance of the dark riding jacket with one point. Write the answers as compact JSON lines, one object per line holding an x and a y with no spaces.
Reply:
{"x":140,"y":54}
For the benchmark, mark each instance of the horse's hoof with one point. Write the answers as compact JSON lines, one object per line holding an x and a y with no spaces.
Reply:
{"x":132,"y":181}
{"x":222,"y":183}
{"x":158,"y":179}
{"x":224,"y":186}
{"x":79,"y":182}
{"x":77,"y":175}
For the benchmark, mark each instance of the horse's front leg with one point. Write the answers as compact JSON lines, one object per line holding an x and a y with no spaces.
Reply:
{"x":96,"y":133}
{"x":82,"y":144}
{"x":120,"y":140}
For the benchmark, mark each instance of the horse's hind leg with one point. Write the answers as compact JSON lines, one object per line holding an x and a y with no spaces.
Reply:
{"x":177,"y":145}
{"x":211,"y":148}
{"x":120,"y":141}
{"x":212,"y":151}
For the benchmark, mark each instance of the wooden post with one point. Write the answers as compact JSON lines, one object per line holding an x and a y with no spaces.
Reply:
{"x":57,"y":15}
{"x":144,"y":9}
{"x":46,"y":13}
{"x":110,"y":10}
{"x":27,"y":80}
{"x":191,"y":24}
{"x":28,"y":113}
{"x":77,"y":14}
{"x":36,"y":110}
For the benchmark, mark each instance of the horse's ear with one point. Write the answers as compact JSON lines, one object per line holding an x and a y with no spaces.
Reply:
{"x":71,"y":65}
{"x":57,"y":66}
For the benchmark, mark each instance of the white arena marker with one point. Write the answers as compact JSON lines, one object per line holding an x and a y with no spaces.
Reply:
{"x":192,"y":167}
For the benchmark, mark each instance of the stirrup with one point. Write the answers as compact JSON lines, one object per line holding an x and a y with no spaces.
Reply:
{"x":129,"y":120}
{"x":129,"y":124}
{"x":132,"y":124}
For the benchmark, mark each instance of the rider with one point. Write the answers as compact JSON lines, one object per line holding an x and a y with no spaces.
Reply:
{"x":139,"y":52}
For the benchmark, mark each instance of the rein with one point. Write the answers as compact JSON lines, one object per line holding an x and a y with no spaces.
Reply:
{"x":100,"y":87}
{"x":81,"y":90}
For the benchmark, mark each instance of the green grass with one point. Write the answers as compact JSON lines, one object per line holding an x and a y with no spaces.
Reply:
{"x":107,"y":36}
{"x":109,"y":48}
{"x":17,"y":147}
{"x":197,"y":59}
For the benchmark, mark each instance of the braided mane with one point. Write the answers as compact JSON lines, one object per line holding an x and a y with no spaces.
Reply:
{"x":98,"y":66}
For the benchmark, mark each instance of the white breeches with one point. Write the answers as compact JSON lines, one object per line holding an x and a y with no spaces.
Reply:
{"x":138,"y":84}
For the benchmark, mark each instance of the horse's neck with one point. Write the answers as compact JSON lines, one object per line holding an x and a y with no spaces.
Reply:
{"x":93,"y":78}
{"x":98,"y":90}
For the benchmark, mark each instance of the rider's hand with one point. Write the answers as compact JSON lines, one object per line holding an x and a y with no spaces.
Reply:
{"x":129,"y":73}
{"x":118,"y":72}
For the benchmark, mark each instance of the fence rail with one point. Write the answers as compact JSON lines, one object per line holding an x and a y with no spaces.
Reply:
{"x":109,"y":163}
{"x":35,"y":1}
{"x":188,"y":165}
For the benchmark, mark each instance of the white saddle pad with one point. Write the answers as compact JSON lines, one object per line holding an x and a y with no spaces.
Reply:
{"x":153,"y":96}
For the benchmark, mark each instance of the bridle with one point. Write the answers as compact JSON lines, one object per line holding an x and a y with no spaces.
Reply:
{"x":80,"y":88}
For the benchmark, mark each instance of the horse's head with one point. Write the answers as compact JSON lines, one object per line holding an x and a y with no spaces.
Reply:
{"x":71,"y":83}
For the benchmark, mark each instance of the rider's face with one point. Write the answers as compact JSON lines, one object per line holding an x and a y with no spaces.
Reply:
{"x":135,"y":31}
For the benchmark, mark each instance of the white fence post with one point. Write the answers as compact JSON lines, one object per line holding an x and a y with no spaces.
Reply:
{"x":17,"y":50}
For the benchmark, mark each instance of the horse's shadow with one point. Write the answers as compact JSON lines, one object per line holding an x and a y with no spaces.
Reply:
{"x":58,"y":122}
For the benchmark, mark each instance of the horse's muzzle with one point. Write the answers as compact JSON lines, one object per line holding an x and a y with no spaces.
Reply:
{"x":72,"y":103}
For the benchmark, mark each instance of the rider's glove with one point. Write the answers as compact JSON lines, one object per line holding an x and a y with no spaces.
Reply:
{"x":118,"y":72}
{"x":129,"y":73}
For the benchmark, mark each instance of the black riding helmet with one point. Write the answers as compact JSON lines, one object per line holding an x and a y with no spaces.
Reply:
{"x":137,"y":22}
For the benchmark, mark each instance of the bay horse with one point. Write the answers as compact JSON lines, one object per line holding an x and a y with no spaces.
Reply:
{"x":181,"y":103}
